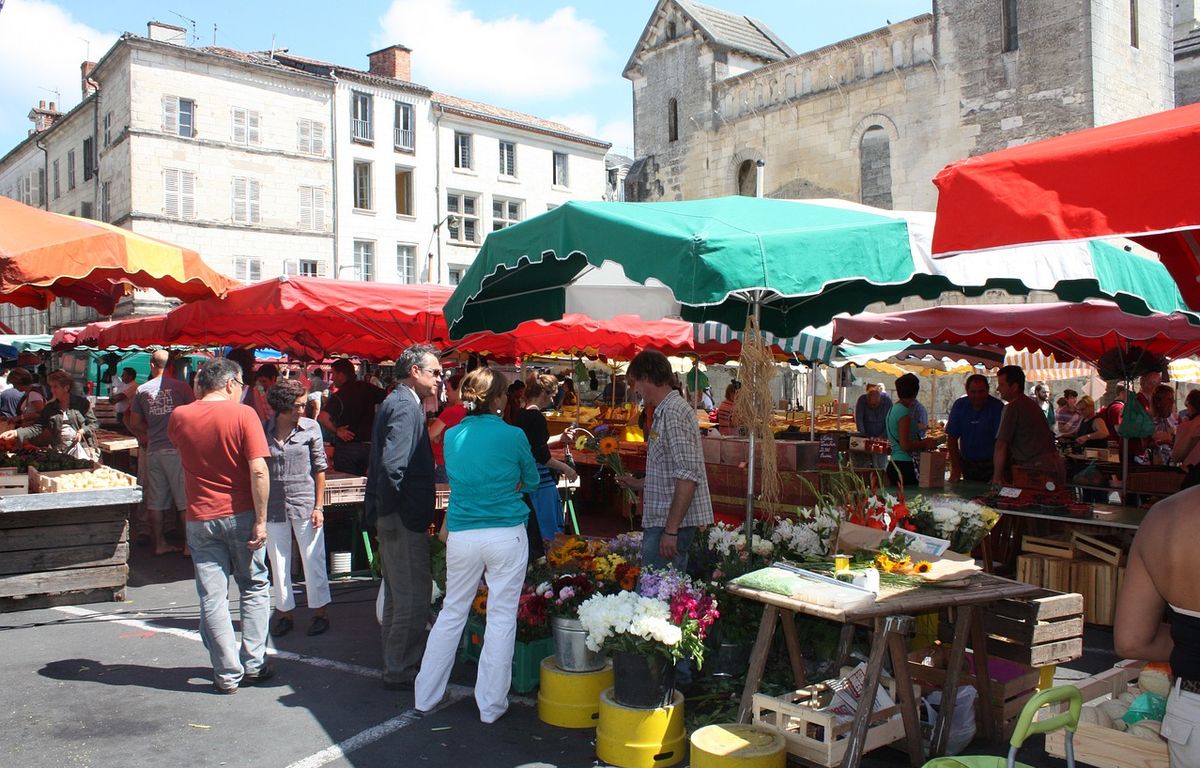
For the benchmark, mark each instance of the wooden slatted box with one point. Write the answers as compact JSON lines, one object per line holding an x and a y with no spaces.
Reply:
{"x":815,"y":735}
{"x":1103,"y":747}
{"x":1041,"y":630}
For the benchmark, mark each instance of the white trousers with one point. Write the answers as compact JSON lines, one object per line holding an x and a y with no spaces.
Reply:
{"x":1181,"y":727}
{"x":499,"y":555}
{"x":312,"y":555}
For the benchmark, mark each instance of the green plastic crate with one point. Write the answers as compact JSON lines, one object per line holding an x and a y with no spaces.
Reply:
{"x":527,"y":657}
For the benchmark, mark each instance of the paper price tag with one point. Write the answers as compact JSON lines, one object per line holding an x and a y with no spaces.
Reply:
{"x":1010,"y":493}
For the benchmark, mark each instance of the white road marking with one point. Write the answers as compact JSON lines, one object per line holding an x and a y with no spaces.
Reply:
{"x":454,"y":692}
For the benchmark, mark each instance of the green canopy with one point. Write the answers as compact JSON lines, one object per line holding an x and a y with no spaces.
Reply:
{"x":802,"y":262}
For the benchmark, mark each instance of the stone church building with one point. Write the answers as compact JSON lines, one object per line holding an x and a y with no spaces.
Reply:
{"x":875,"y":117}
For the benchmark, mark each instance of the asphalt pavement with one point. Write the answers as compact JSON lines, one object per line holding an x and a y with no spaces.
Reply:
{"x":129,"y":684}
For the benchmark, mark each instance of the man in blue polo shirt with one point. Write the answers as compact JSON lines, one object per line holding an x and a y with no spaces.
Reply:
{"x":971,"y":431}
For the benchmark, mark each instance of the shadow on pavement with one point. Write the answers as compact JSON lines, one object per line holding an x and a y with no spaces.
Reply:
{"x":179,"y":679}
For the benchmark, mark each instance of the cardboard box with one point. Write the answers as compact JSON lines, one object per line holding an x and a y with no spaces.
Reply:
{"x":931,"y":471}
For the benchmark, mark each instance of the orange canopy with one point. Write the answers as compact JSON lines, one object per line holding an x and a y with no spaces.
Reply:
{"x":46,"y":255}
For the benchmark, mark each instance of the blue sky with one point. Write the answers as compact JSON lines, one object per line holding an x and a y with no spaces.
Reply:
{"x":551,"y":59}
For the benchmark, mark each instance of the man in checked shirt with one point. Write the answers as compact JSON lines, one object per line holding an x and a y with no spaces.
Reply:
{"x":675,"y":499}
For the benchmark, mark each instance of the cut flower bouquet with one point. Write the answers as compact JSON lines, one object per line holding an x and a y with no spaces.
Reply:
{"x":669,"y":615}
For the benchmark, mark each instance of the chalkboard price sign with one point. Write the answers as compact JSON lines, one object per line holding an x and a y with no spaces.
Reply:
{"x":827,"y":452}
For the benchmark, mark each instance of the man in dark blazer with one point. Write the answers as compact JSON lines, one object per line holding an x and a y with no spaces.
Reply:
{"x":399,"y":504}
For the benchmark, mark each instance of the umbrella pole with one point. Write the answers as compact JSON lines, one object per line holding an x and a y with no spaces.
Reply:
{"x":841,"y":398}
{"x":812,"y":401}
{"x":756,"y":310}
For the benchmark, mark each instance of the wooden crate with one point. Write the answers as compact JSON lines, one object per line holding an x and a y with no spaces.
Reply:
{"x":818,"y":736}
{"x":1108,"y":747}
{"x":1052,"y":547}
{"x":50,"y":482}
{"x":1159,"y":480}
{"x":1099,"y":583}
{"x":106,"y":414}
{"x":1012,"y":683}
{"x":344,"y":488}
{"x":1101,"y":549}
{"x":1044,"y":629}
{"x":1043,"y":571}
{"x":14,"y":484}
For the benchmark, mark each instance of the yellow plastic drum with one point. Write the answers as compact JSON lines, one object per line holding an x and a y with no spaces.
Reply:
{"x":571,"y":699}
{"x":640,"y":738}
{"x":738,"y":746}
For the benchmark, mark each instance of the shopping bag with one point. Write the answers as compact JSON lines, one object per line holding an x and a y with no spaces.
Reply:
{"x":962,"y":726}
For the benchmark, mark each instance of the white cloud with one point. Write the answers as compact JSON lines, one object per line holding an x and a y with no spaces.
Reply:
{"x":618,"y":132}
{"x":41,"y":48}
{"x":456,"y":51}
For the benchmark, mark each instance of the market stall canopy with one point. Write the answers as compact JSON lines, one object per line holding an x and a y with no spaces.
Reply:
{"x":1086,"y":330}
{"x":44,"y":256}
{"x":305,"y":317}
{"x":1128,"y":179}
{"x":620,"y":338}
{"x":714,"y":341}
{"x":802,"y":262}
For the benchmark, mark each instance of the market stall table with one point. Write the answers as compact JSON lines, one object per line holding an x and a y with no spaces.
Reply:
{"x":892,"y":617}
{"x":64,"y":548}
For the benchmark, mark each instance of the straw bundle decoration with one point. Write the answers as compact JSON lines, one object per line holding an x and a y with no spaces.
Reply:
{"x":752,"y":409}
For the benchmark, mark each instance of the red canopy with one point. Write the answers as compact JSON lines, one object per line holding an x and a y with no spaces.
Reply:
{"x":1126,"y":179}
{"x":305,"y":317}
{"x":1086,"y":330}
{"x":620,"y":337}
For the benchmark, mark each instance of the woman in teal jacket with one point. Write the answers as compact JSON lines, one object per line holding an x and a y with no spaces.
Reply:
{"x":489,"y":464}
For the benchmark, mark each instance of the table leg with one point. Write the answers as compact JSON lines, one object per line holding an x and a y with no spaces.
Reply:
{"x":758,"y":660}
{"x":963,"y":618}
{"x":983,"y":680}
{"x":857,"y":739}
{"x":793,"y":647}
{"x":906,"y":699}
{"x":845,"y":643}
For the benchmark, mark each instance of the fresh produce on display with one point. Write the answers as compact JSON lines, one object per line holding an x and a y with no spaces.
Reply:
{"x":43,"y":459}
{"x":87,"y":480}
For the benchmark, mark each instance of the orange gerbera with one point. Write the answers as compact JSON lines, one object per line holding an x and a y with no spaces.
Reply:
{"x":609,"y":445}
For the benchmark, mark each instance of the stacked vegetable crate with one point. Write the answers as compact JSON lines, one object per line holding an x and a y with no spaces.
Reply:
{"x":1086,"y":564}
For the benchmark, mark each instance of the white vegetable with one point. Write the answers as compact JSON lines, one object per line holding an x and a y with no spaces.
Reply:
{"x":1115,"y":709}
{"x":1127,"y":698}
{"x":1146,"y":729}
{"x":1155,"y":681}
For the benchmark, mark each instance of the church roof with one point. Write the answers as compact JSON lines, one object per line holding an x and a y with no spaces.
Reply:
{"x":722,"y":29}
{"x":741,"y":33}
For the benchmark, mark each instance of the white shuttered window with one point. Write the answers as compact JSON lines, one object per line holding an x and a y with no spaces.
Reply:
{"x":179,"y":193}
{"x":245,"y":200}
{"x":312,"y":208}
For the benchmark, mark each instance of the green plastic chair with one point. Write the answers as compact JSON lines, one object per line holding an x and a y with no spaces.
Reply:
{"x":1025,"y":728}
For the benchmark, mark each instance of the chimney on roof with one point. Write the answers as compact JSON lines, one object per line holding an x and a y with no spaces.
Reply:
{"x":43,"y":117}
{"x":86,"y":82}
{"x":395,"y":62}
{"x":166,"y":33}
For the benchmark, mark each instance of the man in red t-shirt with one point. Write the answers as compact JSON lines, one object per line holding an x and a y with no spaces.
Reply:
{"x":223,"y":449}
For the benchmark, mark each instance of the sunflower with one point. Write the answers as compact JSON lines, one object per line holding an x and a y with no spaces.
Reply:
{"x":581,"y":443}
{"x":479,"y":604}
{"x":922,"y":566}
{"x":609,"y":445}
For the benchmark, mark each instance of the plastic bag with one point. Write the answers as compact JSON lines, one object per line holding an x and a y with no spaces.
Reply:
{"x":1135,"y":422}
{"x":962,"y":727}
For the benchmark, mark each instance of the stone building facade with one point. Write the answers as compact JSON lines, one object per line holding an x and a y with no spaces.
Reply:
{"x":873,"y":118}
{"x":1187,"y":52}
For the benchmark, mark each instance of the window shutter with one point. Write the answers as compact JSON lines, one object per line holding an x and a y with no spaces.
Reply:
{"x":291,"y":267}
{"x":35,"y":188}
{"x":187,"y":194}
{"x":318,"y":138}
{"x":239,"y":125}
{"x":306,"y":208}
{"x":318,"y":209}
{"x":255,"y":270}
{"x":252,"y":128}
{"x":322,"y":269}
{"x":255,"y":208}
{"x":170,"y":114}
{"x":171,"y":192}
{"x":239,"y":199}
{"x":304,"y":135}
